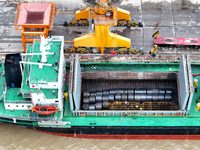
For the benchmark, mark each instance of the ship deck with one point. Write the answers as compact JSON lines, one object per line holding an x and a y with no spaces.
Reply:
{"x":143,"y":120}
{"x":192,"y":119}
{"x":41,"y":74}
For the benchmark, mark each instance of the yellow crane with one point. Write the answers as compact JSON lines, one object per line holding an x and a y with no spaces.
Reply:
{"x":105,"y":13}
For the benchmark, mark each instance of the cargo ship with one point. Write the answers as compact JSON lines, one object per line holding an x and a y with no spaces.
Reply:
{"x":102,"y":96}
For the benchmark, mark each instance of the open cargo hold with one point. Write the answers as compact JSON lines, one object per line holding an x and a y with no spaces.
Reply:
{"x":110,"y":88}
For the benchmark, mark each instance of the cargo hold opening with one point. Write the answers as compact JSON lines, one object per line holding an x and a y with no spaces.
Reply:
{"x":129,"y":91}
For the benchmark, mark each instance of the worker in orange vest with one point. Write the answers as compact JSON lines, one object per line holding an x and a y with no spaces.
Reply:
{"x":154,"y":51}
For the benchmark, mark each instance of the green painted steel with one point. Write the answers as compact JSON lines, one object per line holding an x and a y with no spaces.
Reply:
{"x":193,"y":119}
{"x":14,"y":95}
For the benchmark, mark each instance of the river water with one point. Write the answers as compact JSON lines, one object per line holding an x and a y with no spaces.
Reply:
{"x":17,"y":138}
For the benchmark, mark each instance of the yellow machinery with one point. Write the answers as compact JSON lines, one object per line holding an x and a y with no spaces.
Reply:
{"x":195,"y":82}
{"x":155,"y":35}
{"x":154,"y":51}
{"x":66,"y":96}
{"x":198,"y":106}
{"x":105,"y":13}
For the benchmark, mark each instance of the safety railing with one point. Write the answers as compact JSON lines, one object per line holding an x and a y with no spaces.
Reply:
{"x":17,"y":101}
{"x":129,"y":113}
{"x":29,"y":117}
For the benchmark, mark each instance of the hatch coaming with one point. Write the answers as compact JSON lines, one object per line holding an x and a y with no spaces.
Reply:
{"x":108,"y":69}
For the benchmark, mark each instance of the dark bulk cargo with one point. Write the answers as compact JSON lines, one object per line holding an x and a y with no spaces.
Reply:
{"x":150,"y":92}
{"x":124,"y":99}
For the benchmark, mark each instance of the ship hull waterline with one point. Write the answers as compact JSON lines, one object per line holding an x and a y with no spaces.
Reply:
{"x":121,"y":132}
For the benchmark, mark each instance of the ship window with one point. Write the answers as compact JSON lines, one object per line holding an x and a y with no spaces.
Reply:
{"x":16,"y":105}
{"x":56,"y":101}
{"x":38,"y":99}
{"x":8,"y":105}
{"x":22,"y":105}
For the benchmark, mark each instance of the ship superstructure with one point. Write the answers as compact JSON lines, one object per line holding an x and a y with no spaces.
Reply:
{"x":41,"y":72}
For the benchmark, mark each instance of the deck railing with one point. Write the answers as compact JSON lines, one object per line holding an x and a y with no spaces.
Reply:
{"x":129,"y":113}
{"x":28,"y":117}
{"x":18,"y":101}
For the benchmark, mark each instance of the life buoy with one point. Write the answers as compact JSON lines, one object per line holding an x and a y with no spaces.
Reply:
{"x":45,"y":110}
